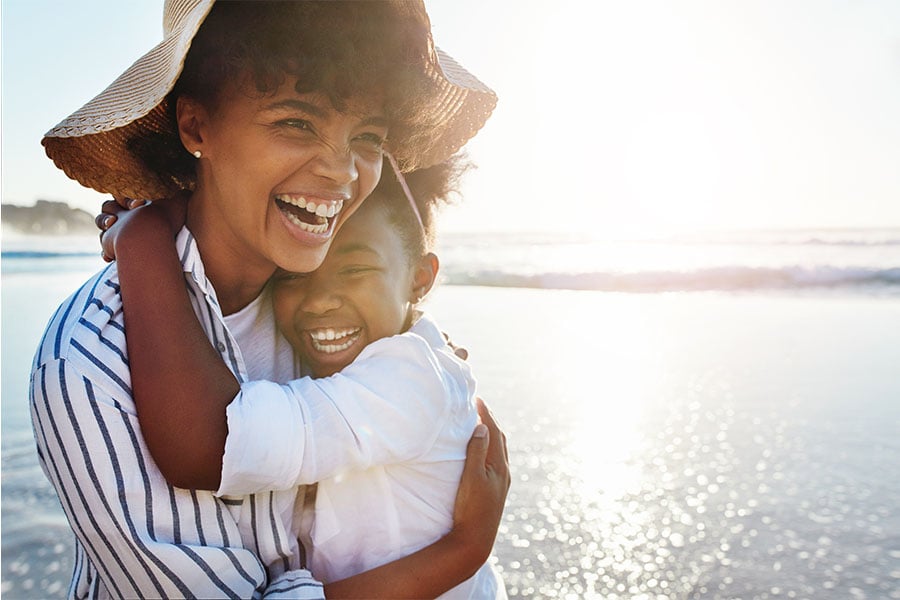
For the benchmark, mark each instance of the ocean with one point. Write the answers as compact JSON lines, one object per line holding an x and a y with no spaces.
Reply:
{"x":706,"y":416}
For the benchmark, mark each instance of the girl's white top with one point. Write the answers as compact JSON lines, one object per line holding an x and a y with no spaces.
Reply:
{"x":386,"y":441}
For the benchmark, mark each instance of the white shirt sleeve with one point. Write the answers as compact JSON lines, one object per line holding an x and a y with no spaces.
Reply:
{"x":387,"y":406}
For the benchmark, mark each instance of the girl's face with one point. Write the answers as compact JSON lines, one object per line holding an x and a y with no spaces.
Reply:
{"x":279,"y":173}
{"x":363,"y":292}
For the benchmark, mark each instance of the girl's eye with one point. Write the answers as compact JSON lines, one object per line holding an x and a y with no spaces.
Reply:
{"x":356,"y":270}
{"x":286,"y":277}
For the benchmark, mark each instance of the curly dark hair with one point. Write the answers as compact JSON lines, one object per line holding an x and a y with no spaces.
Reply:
{"x":432,"y":188}
{"x":341,"y":48}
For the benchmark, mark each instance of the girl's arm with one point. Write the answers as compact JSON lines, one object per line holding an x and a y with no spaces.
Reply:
{"x":181,"y":385}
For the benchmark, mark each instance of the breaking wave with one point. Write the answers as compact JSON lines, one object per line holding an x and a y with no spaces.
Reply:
{"x":730,"y":278}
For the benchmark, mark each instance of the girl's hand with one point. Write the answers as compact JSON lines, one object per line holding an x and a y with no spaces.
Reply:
{"x":483,"y":487}
{"x":171,"y":211}
{"x":459,"y":351}
{"x":109,"y":214}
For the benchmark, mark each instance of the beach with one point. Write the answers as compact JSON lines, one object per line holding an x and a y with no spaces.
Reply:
{"x":673,"y":444}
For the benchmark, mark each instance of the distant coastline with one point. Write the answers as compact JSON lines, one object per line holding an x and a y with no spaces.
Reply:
{"x":46,"y":218}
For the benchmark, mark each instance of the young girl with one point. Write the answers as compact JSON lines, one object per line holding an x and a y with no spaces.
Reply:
{"x":383,"y":423}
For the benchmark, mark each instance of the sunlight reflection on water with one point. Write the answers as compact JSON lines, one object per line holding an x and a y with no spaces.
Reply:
{"x":670,"y":447}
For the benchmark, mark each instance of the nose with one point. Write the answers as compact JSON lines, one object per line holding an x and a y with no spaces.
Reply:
{"x":336,"y":163}
{"x":319,"y":297}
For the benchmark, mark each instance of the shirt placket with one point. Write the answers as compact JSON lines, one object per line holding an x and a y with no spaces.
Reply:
{"x":215,"y":329}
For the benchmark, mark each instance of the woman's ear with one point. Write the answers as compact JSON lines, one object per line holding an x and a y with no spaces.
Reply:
{"x":424,"y":277}
{"x":191,"y":117}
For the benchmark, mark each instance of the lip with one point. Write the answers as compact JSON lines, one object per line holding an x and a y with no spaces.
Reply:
{"x":299,"y":232}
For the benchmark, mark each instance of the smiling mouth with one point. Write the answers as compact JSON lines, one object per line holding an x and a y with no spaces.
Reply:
{"x":330,"y":341}
{"x":314,"y":217}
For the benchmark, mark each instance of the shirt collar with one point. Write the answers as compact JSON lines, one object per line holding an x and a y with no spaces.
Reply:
{"x":426,"y":328}
{"x":192,"y":264}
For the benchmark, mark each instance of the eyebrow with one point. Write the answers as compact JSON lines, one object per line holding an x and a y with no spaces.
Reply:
{"x":355,"y":247}
{"x":319,"y":112}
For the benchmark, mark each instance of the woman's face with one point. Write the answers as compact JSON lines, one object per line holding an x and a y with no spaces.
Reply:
{"x":280,"y":174}
{"x":360,"y":294}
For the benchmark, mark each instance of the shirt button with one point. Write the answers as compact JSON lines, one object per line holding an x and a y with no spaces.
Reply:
{"x":221,"y":347}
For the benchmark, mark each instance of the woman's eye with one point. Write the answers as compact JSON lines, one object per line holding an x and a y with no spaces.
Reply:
{"x":372,"y":138}
{"x":301,"y":124}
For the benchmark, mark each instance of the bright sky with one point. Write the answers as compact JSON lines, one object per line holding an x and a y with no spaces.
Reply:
{"x":632,"y":117}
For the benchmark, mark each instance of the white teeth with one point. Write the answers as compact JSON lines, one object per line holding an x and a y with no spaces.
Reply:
{"x":299,"y":201}
{"x":320,"y":228}
{"x":320,"y":336}
{"x":323,"y":209}
{"x":332,"y":334}
{"x":332,"y":349}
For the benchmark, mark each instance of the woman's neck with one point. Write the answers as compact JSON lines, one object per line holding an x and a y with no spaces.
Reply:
{"x":238,"y":276}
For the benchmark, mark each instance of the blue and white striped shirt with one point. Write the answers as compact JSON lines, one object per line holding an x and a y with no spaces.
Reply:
{"x":137,"y":536}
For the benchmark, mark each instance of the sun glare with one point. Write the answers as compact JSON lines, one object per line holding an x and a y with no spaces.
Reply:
{"x":618,"y":373}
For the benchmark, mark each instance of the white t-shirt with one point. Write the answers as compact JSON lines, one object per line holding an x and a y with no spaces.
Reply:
{"x":385,"y":439}
{"x":267,"y":355}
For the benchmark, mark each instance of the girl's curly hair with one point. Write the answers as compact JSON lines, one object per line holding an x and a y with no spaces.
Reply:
{"x":431,"y":188}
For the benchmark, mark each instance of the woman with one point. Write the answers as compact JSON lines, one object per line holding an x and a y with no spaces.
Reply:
{"x":277,"y":138}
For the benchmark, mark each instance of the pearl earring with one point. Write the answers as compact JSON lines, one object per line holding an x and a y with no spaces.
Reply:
{"x":197,"y":154}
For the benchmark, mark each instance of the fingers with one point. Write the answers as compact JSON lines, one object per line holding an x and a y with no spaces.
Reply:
{"x":104,"y":226}
{"x":128,"y":203}
{"x":111,"y":207}
{"x":110,"y":210}
{"x":104,"y":221}
{"x":487,"y":417}
{"x":457,"y":350}
{"x":109,"y":214}
{"x":497,"y":456}
{"x":477,"y":450}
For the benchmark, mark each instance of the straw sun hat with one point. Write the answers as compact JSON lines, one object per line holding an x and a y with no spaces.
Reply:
{"x":90,"y":145}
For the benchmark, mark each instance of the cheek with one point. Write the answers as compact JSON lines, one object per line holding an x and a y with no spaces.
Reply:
{"x":284,"y":305}
{"x":391,"y":305}
{"x":310,"y":259}
{"x":369,"y":174}
{"x":303,"y":260}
